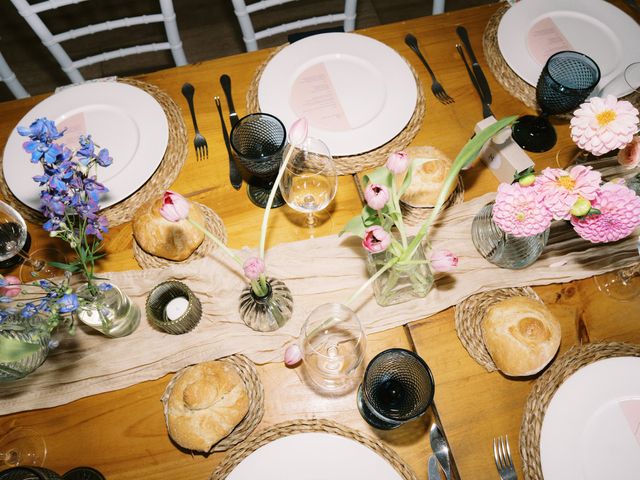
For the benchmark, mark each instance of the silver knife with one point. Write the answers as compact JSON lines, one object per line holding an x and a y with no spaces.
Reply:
{"x":486,"y":108}
{"x":433,"y":470}
{"x":234,"y":174}
{"x":225,"y":81}
{"x":440,"y":449}
{"x":482,"y":80}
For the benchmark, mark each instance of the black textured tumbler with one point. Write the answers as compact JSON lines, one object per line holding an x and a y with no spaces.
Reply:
{"x":257,"y":141}
{"x":397,"y":387}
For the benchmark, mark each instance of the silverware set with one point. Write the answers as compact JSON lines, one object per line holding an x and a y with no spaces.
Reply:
{"x":200,"y":143}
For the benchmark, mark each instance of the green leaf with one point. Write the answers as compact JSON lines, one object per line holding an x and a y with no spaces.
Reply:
{"x":381,"y":176}
{"x":355,"y":226}
{"x":12,"y":350}
{"x":416,"y":163}
{"x":471,"y":150}
{"x":68,"y":267}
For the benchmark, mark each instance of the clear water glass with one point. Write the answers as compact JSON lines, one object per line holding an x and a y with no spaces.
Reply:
{"x":13,"y":232}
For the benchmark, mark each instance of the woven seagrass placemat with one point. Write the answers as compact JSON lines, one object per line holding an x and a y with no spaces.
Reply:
{"x":416,"y":215}
{"x":213,"y":223}
{"x":235,"y":456}
{"x":255,"y":391}
{"x":546,"y":386}
{"x":469,"y":315}
{"x":165,"y":174}
{"x":349,"y":164}
{"x":511,"y":82}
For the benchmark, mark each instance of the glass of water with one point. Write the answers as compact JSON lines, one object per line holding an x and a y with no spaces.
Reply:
{"x":309,"y":183}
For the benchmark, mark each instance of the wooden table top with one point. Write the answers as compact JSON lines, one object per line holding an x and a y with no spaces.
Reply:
{"x":122,"y":433}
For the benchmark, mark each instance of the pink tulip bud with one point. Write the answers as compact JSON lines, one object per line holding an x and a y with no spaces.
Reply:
{"x":8,"y":291}
{"x":629,"y":156}
{"x":376,"y":239}
{"x":298,"y":131}
{"x":443,"y":261}
{"x":174,"y":206}
{"x":253,"y":267}
{"x":292,"y":355}
{"x":398,"y":162}
{"x":376,"y":196}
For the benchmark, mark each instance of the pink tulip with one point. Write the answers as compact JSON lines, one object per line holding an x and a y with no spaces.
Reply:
{"x":398,"y":162}
{"x":174,"y":206}
{"x":443,"y":261}
{"x":253,"y":267}
{"x":298,"y":131}
{"x":376,"y":196}
{"x":292,"y":355}
{"x":8,"y":291}
{"x":376,"y":239}
{"x":629,"y":156}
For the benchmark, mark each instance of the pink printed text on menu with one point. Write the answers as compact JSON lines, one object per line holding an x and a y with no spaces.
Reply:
{"x":544,"y":39}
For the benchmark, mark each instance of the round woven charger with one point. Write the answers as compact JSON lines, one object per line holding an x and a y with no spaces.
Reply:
{"x":163,"y":177}
{"x":235,"y":456}
{"x":511,"y":82}
{"x":213,"y":223}
{"x":349,"y":164}
{"x":255,"y":390}
{"x":470,"y":313}
{"x":416,"y":215}
{"x":546,"y":386}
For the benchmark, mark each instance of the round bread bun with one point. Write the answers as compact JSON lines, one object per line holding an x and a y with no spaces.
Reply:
{"x":205,"y":404}
{"x":162,"y":238}
{"x":428,"y":178}
{"x":521,"y":335}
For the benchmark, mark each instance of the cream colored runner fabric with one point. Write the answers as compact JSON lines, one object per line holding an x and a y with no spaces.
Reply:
{"x":317,"y":271}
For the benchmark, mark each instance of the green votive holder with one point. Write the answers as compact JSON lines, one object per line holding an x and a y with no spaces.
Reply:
{"x":173,"y":307}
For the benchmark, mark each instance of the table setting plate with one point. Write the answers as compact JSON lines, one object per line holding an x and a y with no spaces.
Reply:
{"x":532,"y":30}
{"x":356,"y":92}
{"x":126,"y":120}
{"x":591,"y":428}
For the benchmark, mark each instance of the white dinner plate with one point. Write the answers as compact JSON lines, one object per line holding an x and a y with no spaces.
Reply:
{"x":532,"y":30}
{"x":314,"y":456}
{"x":591,"y":429}
{"x":356,"y":92}
{"x":126,"y":120}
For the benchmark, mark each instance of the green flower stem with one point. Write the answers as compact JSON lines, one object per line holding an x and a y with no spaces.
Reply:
{"x":217,"y":241}
{"x":396,"y":205}
{"x":372,"y":279}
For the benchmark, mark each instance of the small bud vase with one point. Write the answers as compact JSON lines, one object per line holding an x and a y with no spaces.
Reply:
{"x":403,"y":281}
{"x":14,"y":370}
{"x":267,"y":313}
{"x":503,"y":249}
{"x":111,"y":311}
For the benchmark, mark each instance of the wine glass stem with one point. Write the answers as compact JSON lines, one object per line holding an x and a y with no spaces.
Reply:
{"x":311,"y":220}
{"x":10,"y":457}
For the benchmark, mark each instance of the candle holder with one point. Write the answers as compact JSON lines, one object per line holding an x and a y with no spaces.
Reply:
{"x":173,"y":307}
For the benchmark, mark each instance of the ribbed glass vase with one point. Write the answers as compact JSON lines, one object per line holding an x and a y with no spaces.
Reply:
{"x":267,"y":313}
{"x":503,"y":249}
{"x":14,"y":370}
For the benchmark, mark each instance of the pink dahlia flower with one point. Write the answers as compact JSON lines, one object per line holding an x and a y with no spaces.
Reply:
{"x":619,"y":217}
{"x":604,"y":124}
{"x":559,"y":190}
{"x":517,"y":211}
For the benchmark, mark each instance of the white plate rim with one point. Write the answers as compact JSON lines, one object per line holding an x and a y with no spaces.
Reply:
{"x":401,"y":88}
{"x":521,"y":16}
{"x":143,"y":109}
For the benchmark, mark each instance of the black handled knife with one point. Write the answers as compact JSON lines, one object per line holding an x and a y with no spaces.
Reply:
{"x":482,"y":80}
{"x":486,"y":108}
{"x":225,"y":81}
{"x":234,"y":174}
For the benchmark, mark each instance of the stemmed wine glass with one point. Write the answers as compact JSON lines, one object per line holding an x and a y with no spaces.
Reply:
{"x":309,"y":183}
{"x":623,"y":284}
{"x":566,"y":81}
{"x":22,"y":446}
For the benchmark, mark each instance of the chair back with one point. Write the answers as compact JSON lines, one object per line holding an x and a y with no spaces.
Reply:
{"x":250,"y":36}
{"x":32,"y":15}
{"x":11,"y":80}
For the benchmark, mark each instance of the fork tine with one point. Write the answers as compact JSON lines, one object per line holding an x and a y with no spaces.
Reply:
{"x":509,"y":459}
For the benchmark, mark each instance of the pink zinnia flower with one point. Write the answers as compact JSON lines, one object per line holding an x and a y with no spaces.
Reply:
{"x":376,"y":239}
{"x":518,"y":211}
{"x":376,"y":196}
{"x":398,"y":162}
{"x":443,"y":261}
{"x":559,"y":190}
{"x":174,"y":206}
{"x":253,"y":267}
{"x":629,"y":156}
{"x":619,"y":217}
{"x":604,"y":124}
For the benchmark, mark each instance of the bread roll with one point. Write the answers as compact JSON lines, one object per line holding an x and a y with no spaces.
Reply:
{"x":428,"y":178}
{"x":162,"y":238}
{"x":205,"y":404}
{"x":521,"y":334}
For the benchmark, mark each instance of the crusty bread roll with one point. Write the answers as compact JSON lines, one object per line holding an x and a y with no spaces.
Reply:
{"x":428,"y":178}
{"x":205,"y":404}
{"x":521,"y":334}
{"x":162,"y":238}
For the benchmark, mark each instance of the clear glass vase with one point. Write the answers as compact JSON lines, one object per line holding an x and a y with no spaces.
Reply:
{"x":14,"y":370}
{"x":267,"y":313}
{"x":503,"y":249}
{"x":111,"y":311}
{"x":403,"y":281}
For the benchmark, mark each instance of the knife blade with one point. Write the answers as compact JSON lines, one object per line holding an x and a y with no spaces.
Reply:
{"x":225,"y":82}
{"x":234,"y":174}
{"x":477,"y":70}
{"x":486,"y":108}
{"x":440,"y":449}
{"x":433,"y":470}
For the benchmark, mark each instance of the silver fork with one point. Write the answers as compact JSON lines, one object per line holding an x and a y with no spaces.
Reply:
{"x":202,"y":149}
{"x":436,"y":86}
{"x":502,"y":456}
